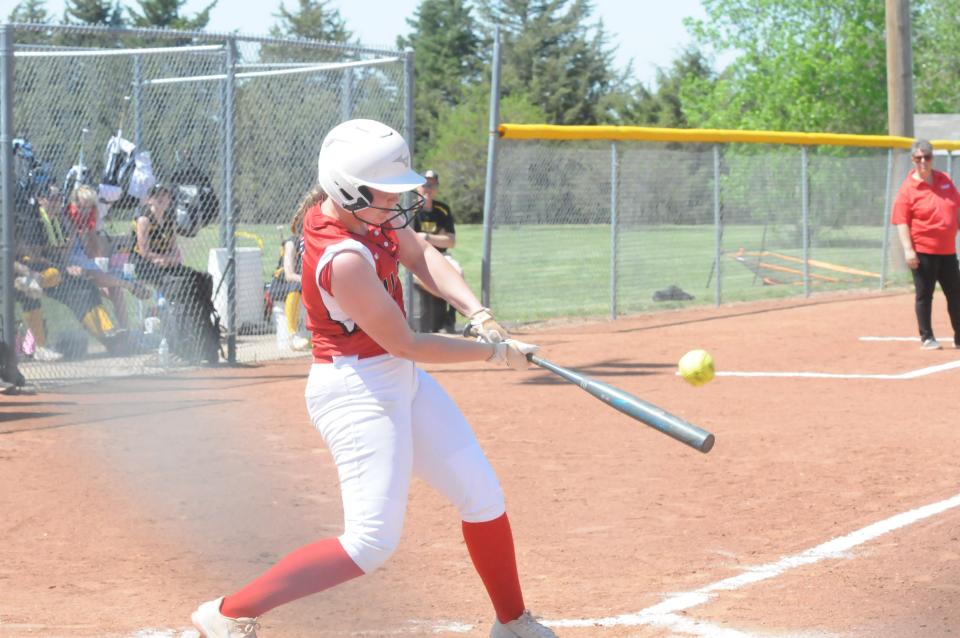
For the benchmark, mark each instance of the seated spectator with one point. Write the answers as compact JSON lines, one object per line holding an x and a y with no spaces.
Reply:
{"x":38,"y":232}
{"x":42,"y":270}
{"x":28,"y":290}
{"x":158,"y":261}
{"x":89,"y":252}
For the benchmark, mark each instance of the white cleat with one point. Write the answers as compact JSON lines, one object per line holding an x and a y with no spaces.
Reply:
{"x":212,"y":624}
{"x":523,"y":627}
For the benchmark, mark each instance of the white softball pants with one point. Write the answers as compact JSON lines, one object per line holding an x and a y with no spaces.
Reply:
{"x":385,"y":420}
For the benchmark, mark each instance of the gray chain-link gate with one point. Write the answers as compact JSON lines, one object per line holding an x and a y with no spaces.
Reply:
{"x":227,"y":126}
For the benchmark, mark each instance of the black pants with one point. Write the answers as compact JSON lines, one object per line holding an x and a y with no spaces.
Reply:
{"x":932,"y":269}
{"x":195,"y":327}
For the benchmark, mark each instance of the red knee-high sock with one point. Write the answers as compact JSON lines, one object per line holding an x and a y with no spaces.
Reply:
{"x":304,"y":571}
{"x":491,"y":547}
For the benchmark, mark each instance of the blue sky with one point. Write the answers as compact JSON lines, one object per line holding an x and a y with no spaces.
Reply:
{"x":649,"y":33}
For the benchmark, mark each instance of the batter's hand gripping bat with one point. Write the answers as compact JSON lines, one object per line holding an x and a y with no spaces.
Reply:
{"x":635,"y":407}
{"x":647,"y":413}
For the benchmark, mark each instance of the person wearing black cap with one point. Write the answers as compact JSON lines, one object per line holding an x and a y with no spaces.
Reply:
{"x":435,"y":224}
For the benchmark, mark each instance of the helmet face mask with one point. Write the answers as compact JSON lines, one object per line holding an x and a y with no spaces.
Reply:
{"x":402,"y":218}
{"x":359,"y":155}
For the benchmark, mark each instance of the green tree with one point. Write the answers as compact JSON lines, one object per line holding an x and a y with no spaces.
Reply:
{"x":166,"y":14}
{"x":553,"y":54}
{"x":803,"y":65}
{"x":93,"y":12}
{"x":664,"y":107}
{"x":447,"y":61}
{"x":34,"y":11}
{"x":459,"y":151}
{"x":313,"y":20}
{"x":936,"y":56}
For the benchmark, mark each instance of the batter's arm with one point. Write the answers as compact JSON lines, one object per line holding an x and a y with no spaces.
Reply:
{"x":364,"y":299}
{"x":436,"y":273}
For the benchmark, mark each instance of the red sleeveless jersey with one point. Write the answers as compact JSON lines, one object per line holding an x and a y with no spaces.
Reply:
{"x":333,"y":332}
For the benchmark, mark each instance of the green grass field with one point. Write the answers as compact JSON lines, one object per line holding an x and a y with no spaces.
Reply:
{"x":544,"y":272}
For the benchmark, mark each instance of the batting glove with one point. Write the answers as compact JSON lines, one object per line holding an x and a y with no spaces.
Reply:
{"x":512,"y":353}
{"x":483,"y":326}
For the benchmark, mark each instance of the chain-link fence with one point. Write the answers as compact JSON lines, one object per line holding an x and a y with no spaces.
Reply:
{"x":592,"y":227}
{"x":155,"y":175}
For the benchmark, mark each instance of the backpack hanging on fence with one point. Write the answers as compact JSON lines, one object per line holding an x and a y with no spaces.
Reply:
{"x":118,"y":165}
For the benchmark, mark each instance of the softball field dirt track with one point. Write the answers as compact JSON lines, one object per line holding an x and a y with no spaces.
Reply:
{"x":829,"y":507}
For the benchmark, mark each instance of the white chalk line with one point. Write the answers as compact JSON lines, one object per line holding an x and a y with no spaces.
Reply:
{"x":917,"y":339}
{"x":664,"y":614}
{"x":911,"y":374}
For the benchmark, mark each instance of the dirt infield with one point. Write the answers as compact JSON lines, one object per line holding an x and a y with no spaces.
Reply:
{"x":127,"y":503}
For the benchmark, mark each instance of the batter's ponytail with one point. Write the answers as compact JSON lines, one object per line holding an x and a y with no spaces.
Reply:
{"x":314,"y":197}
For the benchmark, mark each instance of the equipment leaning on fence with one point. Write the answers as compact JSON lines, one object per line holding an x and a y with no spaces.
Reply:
{"x":722,"y":215}
{"x":208,"y":120}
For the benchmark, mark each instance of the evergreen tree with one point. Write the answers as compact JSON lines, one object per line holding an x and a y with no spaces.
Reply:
{"x":313,"y":20}
{"x":93,"y":12}
{"x":33,"y":11}
{"x":459,"y":149}
{"x":165,"y":14}
{"x":664,"y":107}
{"x":447,"y":59}
{"x":552,"y":53}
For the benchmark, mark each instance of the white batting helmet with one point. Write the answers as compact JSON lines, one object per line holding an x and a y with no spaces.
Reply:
{"x":361,"y":154}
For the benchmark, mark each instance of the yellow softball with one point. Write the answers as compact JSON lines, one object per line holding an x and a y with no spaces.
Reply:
{"x":696,"y":367}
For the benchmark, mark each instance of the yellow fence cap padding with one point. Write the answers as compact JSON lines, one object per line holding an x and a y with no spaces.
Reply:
{"x":650,"y":134}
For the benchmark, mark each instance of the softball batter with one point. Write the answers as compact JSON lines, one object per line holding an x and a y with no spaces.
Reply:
{"x":383,"y":418}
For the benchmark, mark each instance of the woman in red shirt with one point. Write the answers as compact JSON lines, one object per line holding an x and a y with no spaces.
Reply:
{"x":925,"y":215}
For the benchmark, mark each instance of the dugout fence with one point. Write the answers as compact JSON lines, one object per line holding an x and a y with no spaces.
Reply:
{"x":238,"y":119}
{"x":607,"y":221}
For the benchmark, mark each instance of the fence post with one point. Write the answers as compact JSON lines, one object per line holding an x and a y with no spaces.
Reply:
{"x":6,"y":168}
{"x":230,"y":229}
{"x":717,"y":226}
{"x":805,"y":203}
{"x":885,"y":257}
{"x":614,"y":229}
{"x":409,"y":132}
{"x":489,"y":190}
{"x":137,"y":102}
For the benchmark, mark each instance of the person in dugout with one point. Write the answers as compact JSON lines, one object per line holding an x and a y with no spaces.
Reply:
{"x":285,"y":287}
{"x":41,"y":270}
{"x":434,"y":223}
